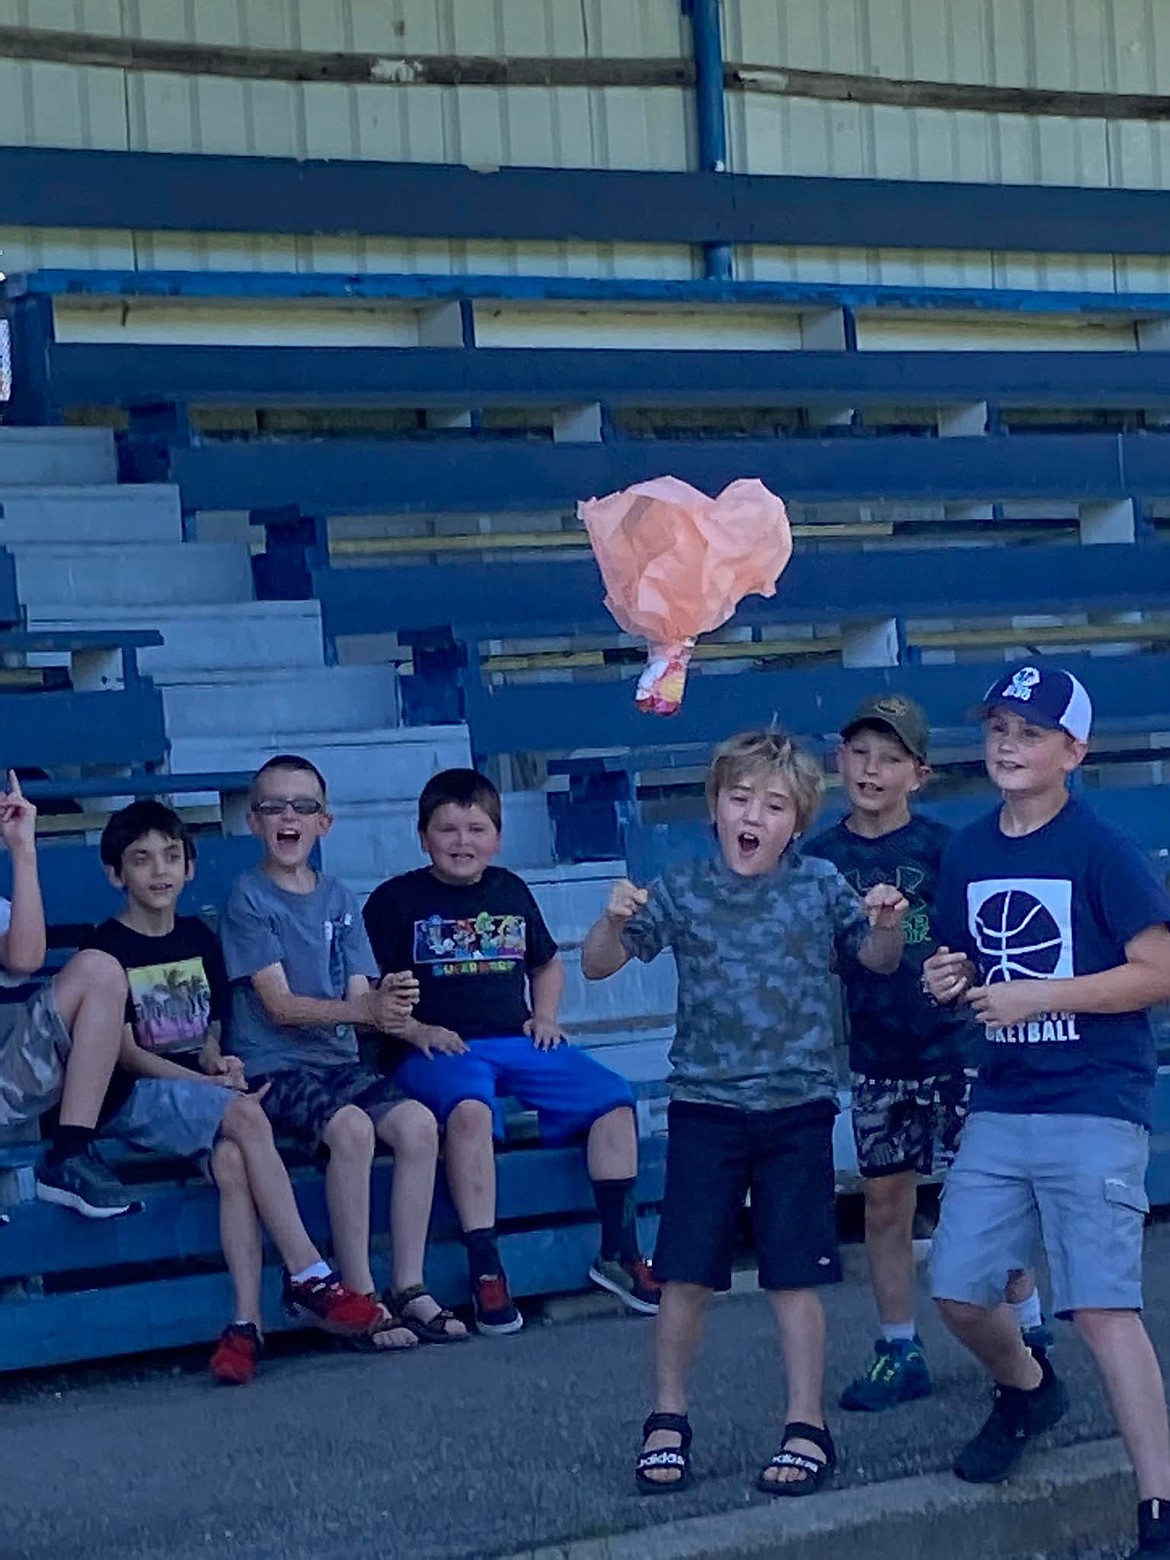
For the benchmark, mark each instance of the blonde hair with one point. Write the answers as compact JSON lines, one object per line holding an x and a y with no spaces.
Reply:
{"x":771,"y":752}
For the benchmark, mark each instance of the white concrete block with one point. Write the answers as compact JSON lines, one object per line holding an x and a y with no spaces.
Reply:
{"x":79,"y":516}
{"x":323,"y":698}
{"x":527,"y":841}
{"x":638,"y":996}
{"x":47,"y":457}
{"x":52,"y":581}
{"x":202,"y":642}
{"x":368,"y":844}
{"x":375,"y":766}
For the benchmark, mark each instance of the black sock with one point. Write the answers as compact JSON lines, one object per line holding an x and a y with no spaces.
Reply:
{"x":68,"y":1141}
{"x":483,"y":1259}
{"x":619,"y":1226}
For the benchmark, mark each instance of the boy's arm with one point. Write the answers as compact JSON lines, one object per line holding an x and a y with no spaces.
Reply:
{"x":548,"y":987}
{"x":147,"y":1064}
{"x":358,"y":1006}
{"x":215,"y":1064}
{"x":22,"y":946}
{"x":1141,"y":982}
{"x":603,"y":952}
{"x":881,"y":949}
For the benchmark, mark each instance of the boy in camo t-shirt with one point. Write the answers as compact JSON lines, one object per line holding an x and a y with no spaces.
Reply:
{"x":753,"y":1087}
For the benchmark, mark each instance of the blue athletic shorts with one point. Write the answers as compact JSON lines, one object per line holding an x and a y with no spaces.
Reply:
{"x":568,"y":1089}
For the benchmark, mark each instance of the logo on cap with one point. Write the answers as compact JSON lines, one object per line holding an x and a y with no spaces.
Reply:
{"x":1022,"y":684}
{"x":892,"y":705}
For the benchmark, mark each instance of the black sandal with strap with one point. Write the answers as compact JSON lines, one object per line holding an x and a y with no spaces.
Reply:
{"x":434,"y":1329}
{"x":815,"y":1472}
{"x":665,"y":1456}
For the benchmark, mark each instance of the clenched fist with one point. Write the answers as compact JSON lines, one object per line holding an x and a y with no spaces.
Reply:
{"x":885,"y":906}
{"x":625,"y":900}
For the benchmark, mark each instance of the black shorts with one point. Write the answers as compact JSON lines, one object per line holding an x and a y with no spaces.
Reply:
{"x":302,"y":1102}
{"x":715,"y":1155}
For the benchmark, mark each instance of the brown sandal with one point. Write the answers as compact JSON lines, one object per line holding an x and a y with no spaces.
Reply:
{"x":380,"y":1338}
{"x":436,"y":1328}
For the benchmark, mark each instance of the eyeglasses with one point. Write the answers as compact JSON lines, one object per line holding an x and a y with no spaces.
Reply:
{"x":303,"y":806}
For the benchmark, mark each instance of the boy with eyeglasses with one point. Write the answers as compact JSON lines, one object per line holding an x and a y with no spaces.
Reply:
{"x":303,"y":976}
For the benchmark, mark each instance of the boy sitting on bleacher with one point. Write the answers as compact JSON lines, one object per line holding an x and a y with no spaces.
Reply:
{"x":478,"y":944}
{"x":58,"y":1041}
{"x":303,"y":976}
{"x":178,"y":1095}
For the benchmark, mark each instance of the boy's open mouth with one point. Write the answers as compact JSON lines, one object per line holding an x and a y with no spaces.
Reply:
{"x":748,"y":842}
{"x":288,"y":836}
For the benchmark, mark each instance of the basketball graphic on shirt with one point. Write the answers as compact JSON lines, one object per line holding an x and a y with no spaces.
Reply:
{"x":1022,"y":928}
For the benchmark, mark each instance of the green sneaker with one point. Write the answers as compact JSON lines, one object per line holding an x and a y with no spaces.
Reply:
{"x":897,"y":1374}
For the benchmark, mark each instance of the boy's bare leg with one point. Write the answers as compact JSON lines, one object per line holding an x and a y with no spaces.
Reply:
{"x":677,"y":1333}
{"x":239,"y":1230}
{"x":800,"y":1319}
{"x":890,"y":1204}
{"x":993,"y":1337}
{"x":269,"y":1189}
{"x":90,"y":993}
{"x":611,"y":1149}
{"x":410,"y":1131}
{"x":1132,"y":1375}
{"x":349,"y":1137}
{"x":470,"y":1157}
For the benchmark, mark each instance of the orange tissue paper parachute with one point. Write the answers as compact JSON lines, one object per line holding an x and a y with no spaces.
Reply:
{"x":676,"y":564}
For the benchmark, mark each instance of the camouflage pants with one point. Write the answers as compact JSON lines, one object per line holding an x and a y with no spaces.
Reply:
{"x":908,"y":1124}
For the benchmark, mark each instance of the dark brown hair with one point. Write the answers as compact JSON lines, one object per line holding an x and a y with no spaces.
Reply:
{"x":461,"y":788}
{"x":292,"y":761}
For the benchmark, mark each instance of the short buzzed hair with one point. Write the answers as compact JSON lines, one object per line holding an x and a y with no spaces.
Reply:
{"x":292,"y":761}
{"x":771,"y":752}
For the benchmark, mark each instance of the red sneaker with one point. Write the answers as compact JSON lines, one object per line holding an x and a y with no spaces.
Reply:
{"x":495,"y":1310}
{"x":328,"y":1304}
{"x":237,"y":1355}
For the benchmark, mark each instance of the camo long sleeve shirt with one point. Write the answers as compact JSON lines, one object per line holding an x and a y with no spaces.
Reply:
{"x":754,"y":1028}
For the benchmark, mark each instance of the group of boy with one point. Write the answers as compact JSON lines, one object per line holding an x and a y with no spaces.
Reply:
{"x":1023,"y":953}
{"x":238,"y":1049}
{"x":1027,"y":948}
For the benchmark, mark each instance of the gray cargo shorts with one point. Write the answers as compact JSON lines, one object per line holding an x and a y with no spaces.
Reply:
{"x":34,"y":1050}
{"x":1074,"y":1183}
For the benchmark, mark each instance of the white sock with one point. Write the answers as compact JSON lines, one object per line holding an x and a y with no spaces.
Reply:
{"x":1028,"y":1312}
{"x":314,"y":1270}
{"x":899,"y":1332}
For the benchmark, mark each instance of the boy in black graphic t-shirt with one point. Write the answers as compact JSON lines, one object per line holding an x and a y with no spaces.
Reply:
{"x":176,"y":1093}
{"x":490,"y":984}
{"x":908,"y":1056}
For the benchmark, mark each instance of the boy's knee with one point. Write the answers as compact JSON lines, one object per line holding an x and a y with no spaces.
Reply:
{"x":411,"y":1130}
{"x":471,"y":1119}
{"x":889,"y":1200}
{"x":96,"y":972}
{"x":246,"y":1118}
{"x":349,"y":1133}
{"x":1097,"y":1326}
{"x":959,"y":1314}
{"x":227,"y":1166}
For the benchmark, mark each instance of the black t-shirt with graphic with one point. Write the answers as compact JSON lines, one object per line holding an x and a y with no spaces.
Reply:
{"x":471,"y":946}
{"x":178,"y":988}
{"x":895,"y":1031}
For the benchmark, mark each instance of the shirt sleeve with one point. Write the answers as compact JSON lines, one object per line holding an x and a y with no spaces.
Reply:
{"x":540,"y":946}
{"x":1129,"y":897}
{"x":651,"y":929}
{"x":249,"y":939}
{"x":356,"y":952}
{"x":846,"y":913}
{"x":384,"y":923}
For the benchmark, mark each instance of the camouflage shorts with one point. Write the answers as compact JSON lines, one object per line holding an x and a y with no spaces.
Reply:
{"x":908,"y":1124}
{"x":34,"y":1048}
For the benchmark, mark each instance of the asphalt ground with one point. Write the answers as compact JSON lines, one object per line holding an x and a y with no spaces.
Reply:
{"x":478,"y":1450}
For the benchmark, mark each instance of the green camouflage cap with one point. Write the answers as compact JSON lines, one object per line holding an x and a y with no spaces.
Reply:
{"x":906,"y":719}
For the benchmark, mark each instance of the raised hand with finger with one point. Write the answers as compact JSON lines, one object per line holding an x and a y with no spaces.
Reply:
{"x":18,"y":817}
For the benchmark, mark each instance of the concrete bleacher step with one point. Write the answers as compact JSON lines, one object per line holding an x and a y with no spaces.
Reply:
{"x":81,"y":515}
{"x":205,"y":642}
{"x":390,"y":764}
{"x":323,"y":698}
{"x":376,"y":841}
{"x":47,"y":457}
{"x":53,"y":581}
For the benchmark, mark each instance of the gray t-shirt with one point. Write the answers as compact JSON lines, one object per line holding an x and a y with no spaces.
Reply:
{"x":320,"y":939}
{"x":755,"y":1001}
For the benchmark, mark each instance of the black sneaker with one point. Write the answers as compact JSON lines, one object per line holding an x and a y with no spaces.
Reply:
{"x":82,"y":1182}
{"x":1016,"y":1417}
{"x":1153,"y":1528}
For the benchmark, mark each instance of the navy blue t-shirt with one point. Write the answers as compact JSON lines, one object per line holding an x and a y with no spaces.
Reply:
{"x":1062,"y":901}
{"x":895,"y":1031}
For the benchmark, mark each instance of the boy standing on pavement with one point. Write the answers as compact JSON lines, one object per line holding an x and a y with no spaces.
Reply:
{"x":177,"y":1094}
{"x":753,"y":1083}
{"x":303,"y":975}
{"x":1059,"y":941}
{"x":908,"y":1056}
